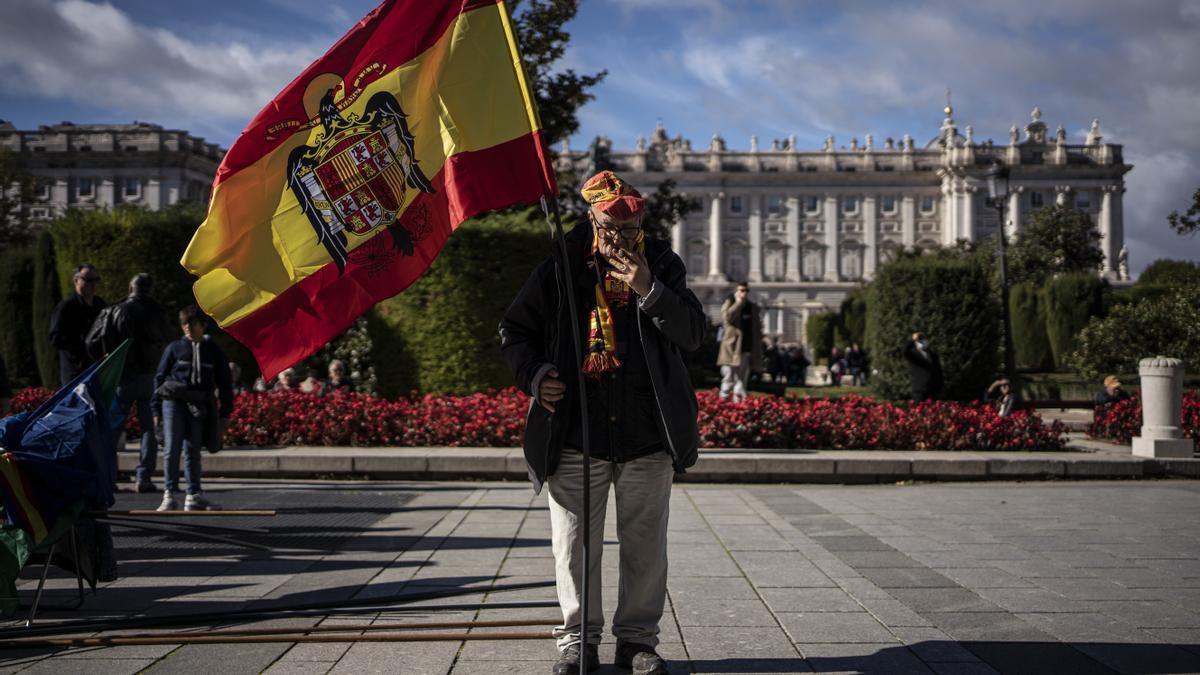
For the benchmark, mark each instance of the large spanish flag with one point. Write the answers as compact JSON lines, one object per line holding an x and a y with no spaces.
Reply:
{"x":343,"y":189}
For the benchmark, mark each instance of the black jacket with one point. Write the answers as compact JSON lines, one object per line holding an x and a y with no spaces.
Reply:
{"x":69,"y":325}
{"x":925,"y":370}
{"x":145,"y":322}
{"x":536,"y":330}
{"x":176,"y":366}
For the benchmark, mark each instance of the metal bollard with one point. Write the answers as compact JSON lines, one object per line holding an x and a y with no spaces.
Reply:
{"x":1162,"y":410}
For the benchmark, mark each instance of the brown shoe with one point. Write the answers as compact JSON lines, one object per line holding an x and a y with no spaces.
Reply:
{"x":641,"y":659}
{"x":568,"y":660}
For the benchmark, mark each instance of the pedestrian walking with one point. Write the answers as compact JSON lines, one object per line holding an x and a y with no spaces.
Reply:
{"x":191,"y":369}
{"x":72,"y":319}
{"x":856,"y":359}
{"x":639,"y":317}
{"x":741,"y":344}
{"x":924,"y":368}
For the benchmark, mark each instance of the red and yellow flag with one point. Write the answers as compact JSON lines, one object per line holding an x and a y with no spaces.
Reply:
{"x":342,"y":190}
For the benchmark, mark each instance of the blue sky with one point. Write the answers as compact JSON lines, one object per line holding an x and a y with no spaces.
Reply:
{"x":737,"y":67}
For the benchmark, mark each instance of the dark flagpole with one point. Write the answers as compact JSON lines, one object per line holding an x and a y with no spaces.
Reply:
{"x":554,"y":221}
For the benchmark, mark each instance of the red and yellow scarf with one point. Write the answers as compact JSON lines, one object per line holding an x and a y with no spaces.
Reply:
{"x":610,"y":292}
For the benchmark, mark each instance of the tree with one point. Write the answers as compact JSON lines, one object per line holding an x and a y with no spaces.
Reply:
{"x":16,"y":193}
{"x":1166,"y":272}
{"x":1168,"y":325}
{"x":1189,"y":223}
{"x":1056,"y":239}
{"x":539,"y":29}
{"x":664,"y":207}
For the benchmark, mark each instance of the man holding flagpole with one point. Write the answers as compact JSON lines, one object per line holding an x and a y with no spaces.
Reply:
{"x":637,"y":316}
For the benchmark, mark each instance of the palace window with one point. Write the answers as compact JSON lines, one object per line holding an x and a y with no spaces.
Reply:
{"x":852,"y":257}
{"x":1083,"y":200}
{"x":927,"y":204}
{"x":776,"y":258}
{"x":736,"y":205}
{"x":814,"y":263}
{"x":774,"y":205}
{"x":1037,"y":200}
{"x":697,"y":264}
{"x":849,"y":204}
{"x":888,"y":203}
{"x":43,"y":190}
{"x":39,"y":213}
{"x":735,"y":266}
{"x":133,"y":187}
{"x":86,"y":187}
{"x":812,"y":204}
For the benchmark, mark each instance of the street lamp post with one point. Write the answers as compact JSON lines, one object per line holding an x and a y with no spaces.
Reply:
{"x":997,"y":184}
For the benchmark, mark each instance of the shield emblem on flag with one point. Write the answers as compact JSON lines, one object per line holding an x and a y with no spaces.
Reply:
{"x":356,"y":175}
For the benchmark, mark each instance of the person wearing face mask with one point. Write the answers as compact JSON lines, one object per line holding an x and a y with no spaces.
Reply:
{"x":924,"y":367}
{"x":636,"y":317}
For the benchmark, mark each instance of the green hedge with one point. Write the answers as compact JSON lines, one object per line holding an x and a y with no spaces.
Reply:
{"x":126,"y":241}
{"x":852,"y":318}
{"x":1028,"y":316}
{"x":46,"y":295}
{"x":953,"y":302}
{"x":1069,"y":302}
{"x":820,"y":331}
{"x":16,"y":321}
{"x":440,"y":335}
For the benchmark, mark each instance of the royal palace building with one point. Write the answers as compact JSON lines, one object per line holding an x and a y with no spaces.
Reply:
{"x":805,"y":227}
{"x":105,"y":165}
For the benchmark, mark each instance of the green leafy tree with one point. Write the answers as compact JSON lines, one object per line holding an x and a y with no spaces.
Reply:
{"x":1055,"y":240}
{"x":1188,"y":223}
{"x":559,"y":93}
{"x":1028,"y":315}
{"x":16,"y":335}
{"x":1069,"y":302}
{"x":16,"y":193}
{"x":1170,"y":273}
{"x":1168,"y":325}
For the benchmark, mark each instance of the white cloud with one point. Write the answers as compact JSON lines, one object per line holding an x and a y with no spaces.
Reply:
{"x":95,"y":54}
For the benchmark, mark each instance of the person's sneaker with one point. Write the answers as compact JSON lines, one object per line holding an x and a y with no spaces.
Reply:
{"x":568,"y":660}
{"x":170,"y":502}
{"x":641,"y":659}
{"x":198,"y":502}
{"x":143,"y":487}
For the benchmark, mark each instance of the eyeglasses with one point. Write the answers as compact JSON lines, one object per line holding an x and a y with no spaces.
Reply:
{"x":629,"y":231}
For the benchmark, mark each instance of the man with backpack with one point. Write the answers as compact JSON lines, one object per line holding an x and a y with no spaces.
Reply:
{"x":142,"y":320}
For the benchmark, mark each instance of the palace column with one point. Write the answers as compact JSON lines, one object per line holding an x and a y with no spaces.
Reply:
{"x":793,"y":238}
{"x":1106,"y":231}
{"x":968,"y":216}
{"x":755,"y":225}
{"x":908,"y":221}
{"x":714,"y":238}
{"x":870,"y":253}
{"x":1014,"y":210}
{"x":831,"y":238}
{"x":677,"y":241}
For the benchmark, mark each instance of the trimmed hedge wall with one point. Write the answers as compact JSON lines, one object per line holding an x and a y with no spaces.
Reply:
{"x":952,"y":300}
{"x":820,"y":333}
{"x":1069,"y":302}
{"x":46,"y":295}
{"x":440,"y":335}
{"x":1028,"y":315}
{"x":16,"y":322}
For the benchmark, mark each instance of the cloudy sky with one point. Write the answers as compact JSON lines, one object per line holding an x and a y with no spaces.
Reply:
{"x":771,"y":68}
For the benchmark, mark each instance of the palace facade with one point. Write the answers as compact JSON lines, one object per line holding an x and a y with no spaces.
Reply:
{"x":805,"y":227}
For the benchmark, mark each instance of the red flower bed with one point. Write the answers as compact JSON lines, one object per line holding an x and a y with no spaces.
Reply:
{"x":860,"y":423}
{"x":497,"y":419}
{"x":1122,"y":421}
{"x":30,"y":398}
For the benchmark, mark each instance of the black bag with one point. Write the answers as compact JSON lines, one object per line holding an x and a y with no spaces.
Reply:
{"x":105,"y":334}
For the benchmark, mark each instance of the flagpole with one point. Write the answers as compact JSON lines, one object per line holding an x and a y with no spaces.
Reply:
{"x":550,"y":209}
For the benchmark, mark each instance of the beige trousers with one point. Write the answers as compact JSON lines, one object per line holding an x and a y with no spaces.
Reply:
{"x":643,"y":493}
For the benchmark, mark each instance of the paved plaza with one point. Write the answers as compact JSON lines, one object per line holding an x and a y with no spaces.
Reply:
{"x":1042,"y":577}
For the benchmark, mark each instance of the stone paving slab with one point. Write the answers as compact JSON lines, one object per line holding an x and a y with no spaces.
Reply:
{"x":1087,"y":577}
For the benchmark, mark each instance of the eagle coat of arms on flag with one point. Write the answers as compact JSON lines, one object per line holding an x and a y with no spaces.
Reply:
{"x":355,"y":177}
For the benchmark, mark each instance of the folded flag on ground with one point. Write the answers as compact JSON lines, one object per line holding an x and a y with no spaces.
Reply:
{"x":56,"y":460}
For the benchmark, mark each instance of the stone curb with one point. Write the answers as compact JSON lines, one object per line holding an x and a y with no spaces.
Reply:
{"x":714,"y":466}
